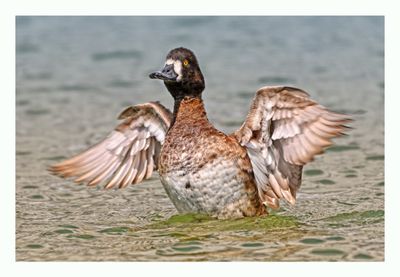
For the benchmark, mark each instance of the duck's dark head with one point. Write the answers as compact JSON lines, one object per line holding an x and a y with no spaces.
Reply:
{"x":181,"y":74}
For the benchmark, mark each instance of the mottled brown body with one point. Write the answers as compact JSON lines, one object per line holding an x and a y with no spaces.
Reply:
{"x":191,"y":144}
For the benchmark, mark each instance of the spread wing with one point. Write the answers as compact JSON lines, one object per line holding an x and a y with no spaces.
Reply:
{"x":283,"y":131}
{"x":127,"y":155}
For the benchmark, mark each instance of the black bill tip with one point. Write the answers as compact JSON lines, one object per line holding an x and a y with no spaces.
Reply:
{"x":155,"y":75}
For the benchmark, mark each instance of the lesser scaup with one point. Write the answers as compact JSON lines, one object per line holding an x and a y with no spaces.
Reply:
{"x":203,"y":169}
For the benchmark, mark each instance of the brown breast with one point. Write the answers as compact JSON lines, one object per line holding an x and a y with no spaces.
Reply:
{"x":192,"y":141}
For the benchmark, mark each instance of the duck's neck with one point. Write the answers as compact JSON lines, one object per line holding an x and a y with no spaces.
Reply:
{"x":189,"y":109}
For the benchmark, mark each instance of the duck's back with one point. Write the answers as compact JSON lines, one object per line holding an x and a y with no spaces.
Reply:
{"x":204,"y":170}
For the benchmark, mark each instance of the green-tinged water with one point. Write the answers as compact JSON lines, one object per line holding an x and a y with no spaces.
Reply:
{"x":75,"y":74}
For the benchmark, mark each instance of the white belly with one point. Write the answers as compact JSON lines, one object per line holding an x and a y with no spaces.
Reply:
{"x":214,"y":189}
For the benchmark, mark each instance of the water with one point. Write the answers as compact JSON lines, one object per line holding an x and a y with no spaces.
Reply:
{"x":75,"y":74}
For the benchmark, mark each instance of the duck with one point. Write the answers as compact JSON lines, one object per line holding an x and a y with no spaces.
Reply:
{"x":203,"y":170}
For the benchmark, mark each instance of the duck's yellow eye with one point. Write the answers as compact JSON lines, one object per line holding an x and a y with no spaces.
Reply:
{"x":185,"y":62}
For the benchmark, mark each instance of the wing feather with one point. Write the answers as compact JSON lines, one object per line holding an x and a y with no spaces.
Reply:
{"x":128,"y":179}
{"x":283,"y":131}
{"x":150,"y":161}
{"x":127,"y":155}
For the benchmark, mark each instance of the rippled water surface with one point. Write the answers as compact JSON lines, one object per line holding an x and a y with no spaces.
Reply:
{"x":75,"y":74}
